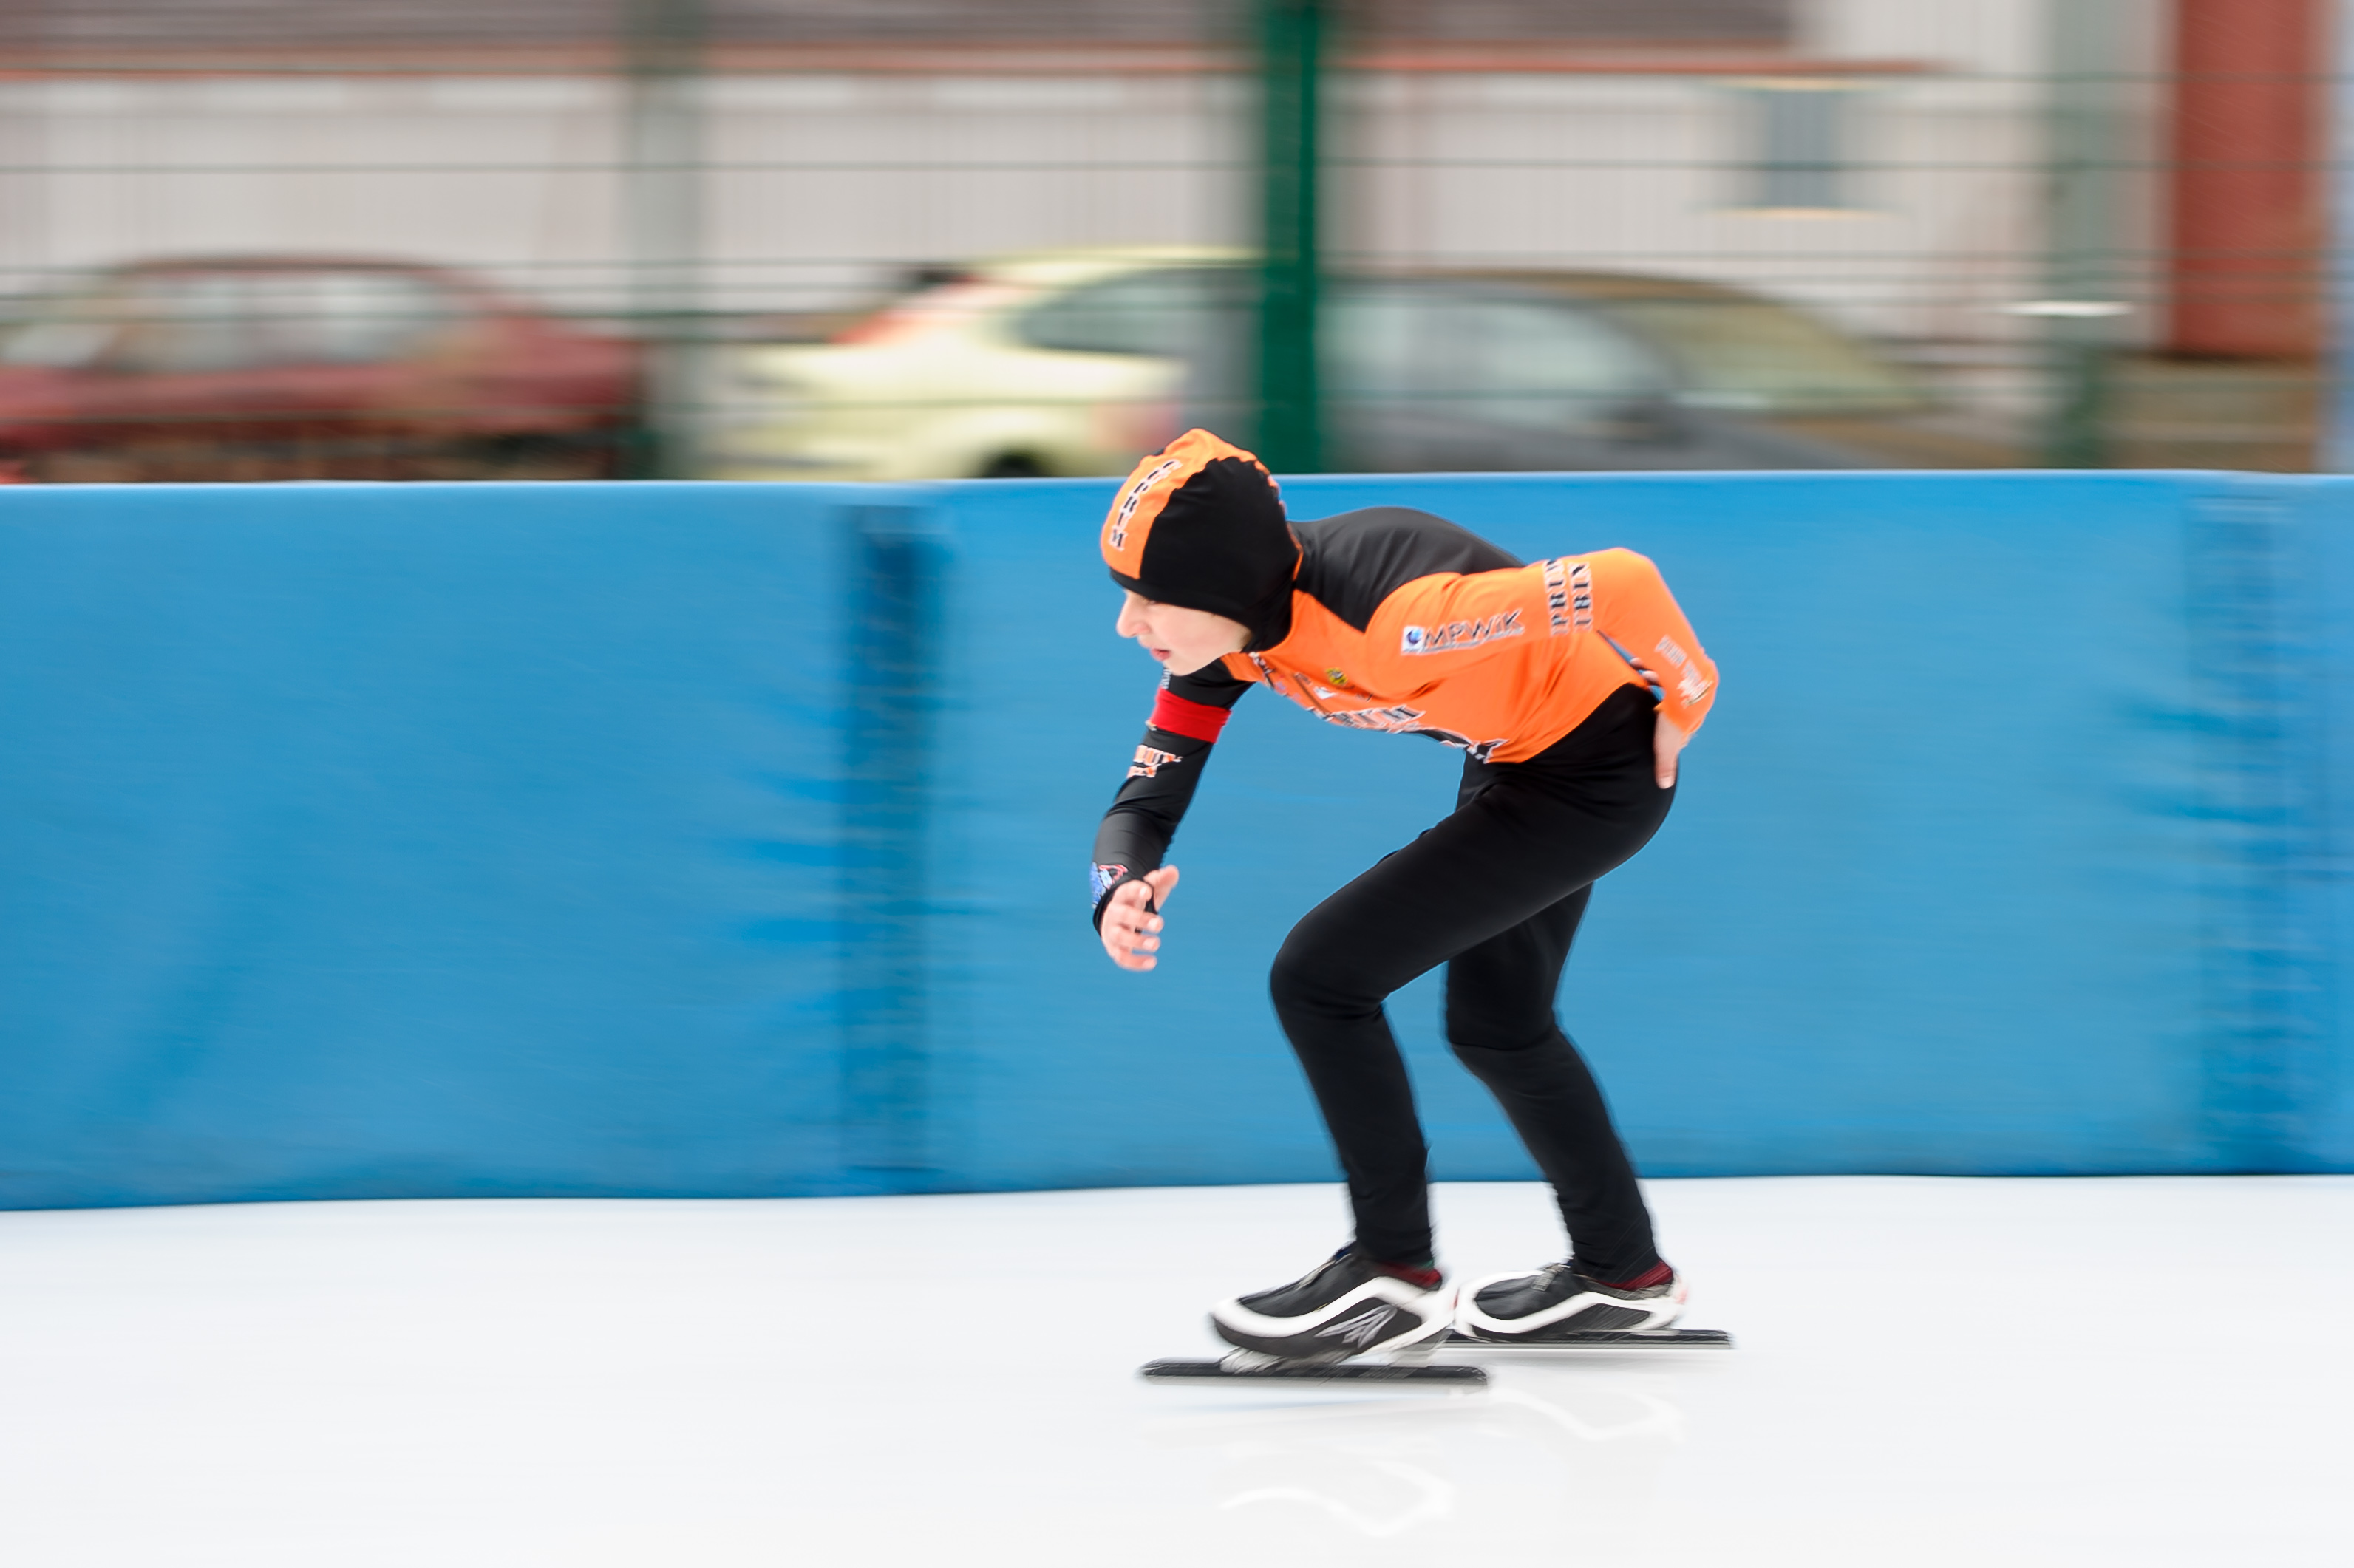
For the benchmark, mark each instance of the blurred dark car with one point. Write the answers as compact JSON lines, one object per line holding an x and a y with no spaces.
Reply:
{"x":1613,"y":370}
{"x":236,"y":369}
{"x":1539,"y":370}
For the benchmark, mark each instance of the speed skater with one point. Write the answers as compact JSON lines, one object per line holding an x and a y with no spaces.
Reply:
{"x":1571,"y":685}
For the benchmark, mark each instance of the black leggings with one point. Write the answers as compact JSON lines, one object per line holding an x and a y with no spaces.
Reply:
{"x":1495,"y":893}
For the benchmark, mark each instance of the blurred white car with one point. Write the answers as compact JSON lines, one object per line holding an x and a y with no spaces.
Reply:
{"x":1069,"y":363}
{"x":1076,"y":362}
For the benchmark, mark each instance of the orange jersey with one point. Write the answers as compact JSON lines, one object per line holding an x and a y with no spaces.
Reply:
{"x":1400,"y":622}
{"x":1500,"y":663}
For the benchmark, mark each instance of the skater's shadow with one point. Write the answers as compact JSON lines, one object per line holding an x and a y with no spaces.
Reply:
{"x":1535,"y":1452}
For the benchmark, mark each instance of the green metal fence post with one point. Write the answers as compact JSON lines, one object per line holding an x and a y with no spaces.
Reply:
{"x":2082,"y":156}
{"x":663,"y":212}
{"x":1290,"y":427}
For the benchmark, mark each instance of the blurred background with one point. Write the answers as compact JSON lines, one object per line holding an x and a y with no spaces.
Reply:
{"x":849,"y":240}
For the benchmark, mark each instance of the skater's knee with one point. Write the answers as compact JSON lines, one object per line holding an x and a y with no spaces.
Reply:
{"x":1309,"y":977}
{"x":1296,"y":981}
{"x":1473,"y":1032}
{"x":1513,"y":1062}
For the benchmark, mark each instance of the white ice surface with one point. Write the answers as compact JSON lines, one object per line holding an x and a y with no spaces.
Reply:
{"x":2145,"y":1372}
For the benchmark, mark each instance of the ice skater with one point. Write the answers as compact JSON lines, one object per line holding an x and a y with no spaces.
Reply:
{"x":1571,"y":685}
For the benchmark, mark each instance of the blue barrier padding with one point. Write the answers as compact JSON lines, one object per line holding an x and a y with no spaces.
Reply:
{"x":368,"y":841}
{"x":1929,"y":900}
{"x":379,"y":841}
{"x":2321,"y":1013}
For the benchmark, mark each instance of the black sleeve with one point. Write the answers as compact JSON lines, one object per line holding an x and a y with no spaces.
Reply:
{"x":1143,"y":818}
{"x":1351,"y":562}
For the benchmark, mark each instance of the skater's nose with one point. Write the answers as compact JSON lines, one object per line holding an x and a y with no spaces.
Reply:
{"x":1131,"y":616}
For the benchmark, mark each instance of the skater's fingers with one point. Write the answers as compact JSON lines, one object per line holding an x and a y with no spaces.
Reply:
{"x":1129,"y":919}
{"x":1125,"y":941}
{"x":1667,"y":742}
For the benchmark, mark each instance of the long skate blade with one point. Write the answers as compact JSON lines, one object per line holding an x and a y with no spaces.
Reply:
{"x":1345,"y":1374}
{"x":1597,"y":1340}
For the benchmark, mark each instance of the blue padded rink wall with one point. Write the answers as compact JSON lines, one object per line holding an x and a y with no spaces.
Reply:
{"x":717,"y":840}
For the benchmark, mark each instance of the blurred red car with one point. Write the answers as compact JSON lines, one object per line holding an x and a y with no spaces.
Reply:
{"x":236,"y":369}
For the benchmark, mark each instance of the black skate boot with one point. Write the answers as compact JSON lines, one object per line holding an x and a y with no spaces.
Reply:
{"x":1343,"y":1307}
{"x":1557,"y":1302}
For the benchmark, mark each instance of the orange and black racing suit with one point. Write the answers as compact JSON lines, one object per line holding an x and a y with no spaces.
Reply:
{"x":1548,"y":676}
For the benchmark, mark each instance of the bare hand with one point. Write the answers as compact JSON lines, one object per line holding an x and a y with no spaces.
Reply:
{"x":1667,"y":740}
{"x":1131,"y":929}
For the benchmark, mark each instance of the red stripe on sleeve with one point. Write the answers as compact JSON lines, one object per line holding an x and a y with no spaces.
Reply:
{"x":1183,"y":715}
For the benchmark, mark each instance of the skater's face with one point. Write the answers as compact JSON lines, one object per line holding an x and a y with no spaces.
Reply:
{"x":1182,"y":639}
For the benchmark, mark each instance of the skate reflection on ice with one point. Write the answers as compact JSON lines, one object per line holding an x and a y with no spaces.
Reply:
{"x":1373,"y":1497}
{"x":1542,"y":1450}
{"x":1637,"y":1414}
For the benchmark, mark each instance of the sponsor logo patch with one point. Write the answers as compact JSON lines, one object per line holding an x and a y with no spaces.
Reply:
{"x":1691,"y":686}
{"x":1150,"y":762}
{"x":1458,"y":634}
{"x":1569,"y":596}
{"x":1403,"y":720}
{"x":1398,"y":720}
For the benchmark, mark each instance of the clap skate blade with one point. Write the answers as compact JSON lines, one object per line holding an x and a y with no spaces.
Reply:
{"x":1595,"y":1340}
{"x":1240,"y":1367}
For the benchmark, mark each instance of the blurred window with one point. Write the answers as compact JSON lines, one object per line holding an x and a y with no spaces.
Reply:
{"x":1798,"y":155}
{"x":1742,"y":23}
{"x":345,"y":317}
{"x":186,"y":323}
{"x":1368,"y":346}
{"x":1487,"y":360}
{"x":71,"y":333}
{"x":1544,"y":365}
{"x":1737,"y":353}
{"x":1168,"y":313}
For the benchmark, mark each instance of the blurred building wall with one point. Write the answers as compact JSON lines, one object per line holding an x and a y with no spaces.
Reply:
{"x":820,"y":185}
{"x":2053,"y":206}
{"x":1934,"y":219}
{"x":821,"y":178}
